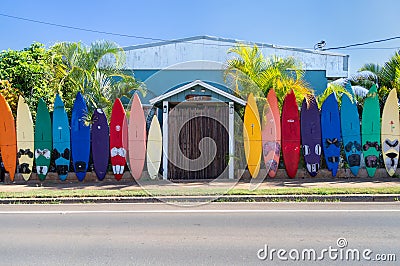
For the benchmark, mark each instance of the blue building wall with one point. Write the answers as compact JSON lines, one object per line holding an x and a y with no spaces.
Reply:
{"x":317,"y":80}
{"x":158,"y":82}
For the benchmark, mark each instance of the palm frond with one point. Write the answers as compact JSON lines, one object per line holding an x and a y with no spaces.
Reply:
{"x":359,"y":91}
{"x":371,"y":67}
{"x":340,"y":82}
{"x":337,"y":90}
{"x":95,"y":70}
{"x":363,"y":75}
{"x":389,"y":70}
{"x":106,"y":54}
{"x":250,"y":71}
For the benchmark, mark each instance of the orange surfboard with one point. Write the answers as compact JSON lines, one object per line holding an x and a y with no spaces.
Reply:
{"x":8,"y":138}
{"x":271,"y":134}
{"x":136,"y":138}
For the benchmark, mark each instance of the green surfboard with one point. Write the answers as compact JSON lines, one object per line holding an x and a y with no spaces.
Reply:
{"x":371,"y":131}
{"x":43,"y":142}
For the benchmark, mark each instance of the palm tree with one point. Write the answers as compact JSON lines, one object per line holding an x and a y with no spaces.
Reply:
{"x":251,"y":71}
{"x":367,"y":76}
{"x":387,"y":75}
{"x":390,"y":72}
{"x":337,"y":89}
{"x":95,"y":70}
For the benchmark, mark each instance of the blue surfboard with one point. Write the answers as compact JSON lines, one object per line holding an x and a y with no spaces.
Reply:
{"x":331,"y":138}
{"x":310,"y":124}
{"x":351,"y":134}
{"x":80,"y":137}
{"x":61,"y":139}
{"x":100,"y":143}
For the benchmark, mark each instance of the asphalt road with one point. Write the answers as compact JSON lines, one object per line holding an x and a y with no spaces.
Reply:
{"x":213,"y":234}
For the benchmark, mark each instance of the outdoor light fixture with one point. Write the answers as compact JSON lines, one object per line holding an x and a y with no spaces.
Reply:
{"x":231,"y":108}
{"x":320,"y":45}
{"x":193,"y":90}
{"x":203,"y":90}
{"x":165,"y":107}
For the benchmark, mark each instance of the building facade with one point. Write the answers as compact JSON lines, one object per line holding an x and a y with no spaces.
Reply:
{"x":185,"y":80}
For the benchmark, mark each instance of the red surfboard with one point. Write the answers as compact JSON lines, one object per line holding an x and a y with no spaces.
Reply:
{"x":118,"y":139}
{"x":137,"y":138}
{"x":290,"y":134}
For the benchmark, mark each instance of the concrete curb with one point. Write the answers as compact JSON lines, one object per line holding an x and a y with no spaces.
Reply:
{"x":205,"y":199}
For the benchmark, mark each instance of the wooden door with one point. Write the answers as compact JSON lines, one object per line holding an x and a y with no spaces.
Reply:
{"x":188,"y":124}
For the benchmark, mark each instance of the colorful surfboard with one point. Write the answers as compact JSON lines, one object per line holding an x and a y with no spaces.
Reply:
{"x":154,"y":148}
{"x":310,"y":123}
{"x":390,"y":132}
{"x":118,"y":139}
{"x":80,"y":137}
{"x":271,"y":134}
{"x":61,"y":139}
{"x":252,"y":136}
{"x":351,"y":134}
{"x":100,"y":143}
{"x":8,"y":138}
{"x":290,"y":134}
{"x":25,"y":139}
{"x":331,"y":136}
{"x":43,"y":145}
{"x":136,"y":138}
{"x":371,"y":130}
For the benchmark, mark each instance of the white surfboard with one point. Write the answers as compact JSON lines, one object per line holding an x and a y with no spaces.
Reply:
{"x":154,"y":148}
{"x":25,"y":139}
{"x":390,"y":133}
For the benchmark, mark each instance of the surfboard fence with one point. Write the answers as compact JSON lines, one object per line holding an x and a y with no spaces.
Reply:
{"x":241,"y":174}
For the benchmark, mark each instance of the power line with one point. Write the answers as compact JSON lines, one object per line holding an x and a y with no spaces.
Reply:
{"x":105,"y":32}
{"x":118,"y":34}
{"x":361,"y":44}
{"x":373,"y":48}
{"x":345,"y":47}
{"x":82,"y":29}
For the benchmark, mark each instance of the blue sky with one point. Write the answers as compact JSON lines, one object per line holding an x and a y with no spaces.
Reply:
{"x":291,"y":23}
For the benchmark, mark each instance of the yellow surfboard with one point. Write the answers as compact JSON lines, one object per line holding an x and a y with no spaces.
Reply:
{"x":390,"y":132}
{"x":252,"y":136}
{"x":25,"y":140}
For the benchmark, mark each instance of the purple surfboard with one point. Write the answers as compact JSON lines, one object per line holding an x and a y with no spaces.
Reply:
{"x":100,"y":143}
{"x":310,"y":124}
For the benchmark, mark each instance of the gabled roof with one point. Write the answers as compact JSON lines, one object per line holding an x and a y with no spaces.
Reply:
{"x":180,"y":53}
{"x":195,"y":83}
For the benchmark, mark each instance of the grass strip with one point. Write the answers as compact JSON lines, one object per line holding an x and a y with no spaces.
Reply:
{"x":79,"y":193}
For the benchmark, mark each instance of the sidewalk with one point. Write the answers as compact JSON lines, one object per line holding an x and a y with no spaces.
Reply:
{"x":128,"y":183}
{"x":128,"y":190}
{"x":21,"y":186}
{"x":323,"y":180}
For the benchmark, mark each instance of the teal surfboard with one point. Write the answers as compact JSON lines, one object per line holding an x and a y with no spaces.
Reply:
{"x":351,"y":135}
{"x":42,"y":140}
{"x":371,"y":131}
{"x":61,"y":138}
